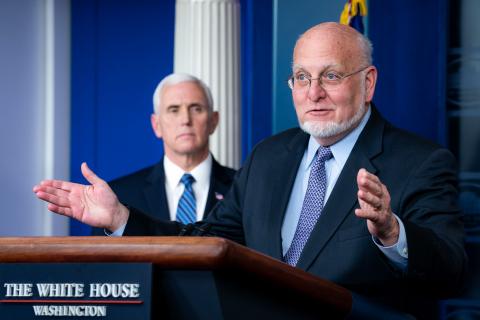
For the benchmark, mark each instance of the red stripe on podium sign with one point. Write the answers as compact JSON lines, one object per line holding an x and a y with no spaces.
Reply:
{"x":75,"y":301}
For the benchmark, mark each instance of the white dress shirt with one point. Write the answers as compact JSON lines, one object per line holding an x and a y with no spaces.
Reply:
{"x":174,"y":188}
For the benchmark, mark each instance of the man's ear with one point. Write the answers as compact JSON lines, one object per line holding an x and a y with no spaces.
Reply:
{"x":370,"y":82}
{"x":156,"y":126}
{"x":213,"y":122}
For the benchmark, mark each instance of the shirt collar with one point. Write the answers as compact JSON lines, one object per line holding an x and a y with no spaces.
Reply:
{"x":201,"y":172}
{"x":341,"y":149}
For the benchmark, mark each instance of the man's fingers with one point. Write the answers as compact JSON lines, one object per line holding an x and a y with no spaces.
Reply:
{"x":53,"y":191}
{"x":363,"y":173}
{"x":53,"y":199}
{"x":370,"y":186}
{"x":369,"y":182}
{"x":64,"y":211}
{"x":367,"y":214}
{"x":58,"y":184}
{"x":90,"y":175}
{"x":369,"y":199}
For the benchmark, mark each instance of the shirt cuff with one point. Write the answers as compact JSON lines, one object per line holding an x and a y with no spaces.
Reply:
{"x":397,"y":253}
{"x":116,"y":233}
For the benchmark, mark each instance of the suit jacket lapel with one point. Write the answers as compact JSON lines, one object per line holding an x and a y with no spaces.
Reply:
{"x":343,"y":198}
{"x":284,"y":168}
{"x":155,"y":193}
{"x":218,"y":187}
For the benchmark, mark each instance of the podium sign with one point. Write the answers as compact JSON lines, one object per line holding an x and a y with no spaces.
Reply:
{"x":75,"y":290}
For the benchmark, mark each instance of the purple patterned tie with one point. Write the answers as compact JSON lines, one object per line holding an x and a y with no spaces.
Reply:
{"x":312,"y":205}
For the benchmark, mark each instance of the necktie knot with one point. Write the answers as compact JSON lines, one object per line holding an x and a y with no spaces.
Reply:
{"x":187,"y":179}
{"x":324,"y":154}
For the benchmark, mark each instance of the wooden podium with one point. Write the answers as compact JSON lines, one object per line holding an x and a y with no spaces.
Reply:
{"x":198,"y":278}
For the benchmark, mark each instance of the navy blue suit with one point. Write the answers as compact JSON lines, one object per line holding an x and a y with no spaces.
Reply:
{"x":421,"y":179}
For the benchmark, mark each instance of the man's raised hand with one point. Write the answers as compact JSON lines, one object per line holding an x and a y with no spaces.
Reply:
{"x":374,"y":200}
{"x":95,"y":204}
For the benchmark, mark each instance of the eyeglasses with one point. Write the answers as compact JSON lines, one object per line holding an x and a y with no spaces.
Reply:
{"x":328,"y":80}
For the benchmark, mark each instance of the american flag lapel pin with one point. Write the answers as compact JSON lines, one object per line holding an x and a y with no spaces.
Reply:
{"x":218,"y":196}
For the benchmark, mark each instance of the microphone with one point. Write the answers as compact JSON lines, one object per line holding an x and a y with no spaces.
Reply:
{"x":186,"y":230}
{"x":203,"y":229}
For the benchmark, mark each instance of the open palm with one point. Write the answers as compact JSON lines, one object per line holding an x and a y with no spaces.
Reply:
{"x":95,"y":204}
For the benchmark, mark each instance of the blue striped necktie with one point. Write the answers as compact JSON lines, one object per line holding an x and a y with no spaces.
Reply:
{"x":187,"y":207}
{"x":312,"y":205}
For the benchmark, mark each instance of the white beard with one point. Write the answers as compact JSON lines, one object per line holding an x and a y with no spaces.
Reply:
{"x":322,"y":130}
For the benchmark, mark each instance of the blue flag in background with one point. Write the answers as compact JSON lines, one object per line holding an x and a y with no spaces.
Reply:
{"x":353,"y":13}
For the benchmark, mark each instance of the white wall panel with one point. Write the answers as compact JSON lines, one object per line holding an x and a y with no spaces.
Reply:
{"x":34,"y":111}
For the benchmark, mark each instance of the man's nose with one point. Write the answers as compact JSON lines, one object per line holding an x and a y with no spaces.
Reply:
{"x":316,"y":90}
{"x":185,"y":116}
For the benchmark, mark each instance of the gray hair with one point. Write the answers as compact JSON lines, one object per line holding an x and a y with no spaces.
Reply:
{"x":176,"y":78}
{"x":366,"y":47}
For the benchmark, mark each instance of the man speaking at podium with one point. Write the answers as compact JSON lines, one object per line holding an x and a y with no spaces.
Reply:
{"x":348,"y":197}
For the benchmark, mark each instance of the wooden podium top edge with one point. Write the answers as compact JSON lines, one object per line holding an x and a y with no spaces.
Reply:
{"x":193,"y":253}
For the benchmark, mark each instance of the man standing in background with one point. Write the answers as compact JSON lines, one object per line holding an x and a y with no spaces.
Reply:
{"x":188,"y":181}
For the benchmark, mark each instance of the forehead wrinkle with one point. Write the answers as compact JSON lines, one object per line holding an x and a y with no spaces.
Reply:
{"x":323,"y":67}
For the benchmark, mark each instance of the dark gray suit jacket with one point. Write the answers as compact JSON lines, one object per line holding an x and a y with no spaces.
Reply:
{"x":421,"y":179}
